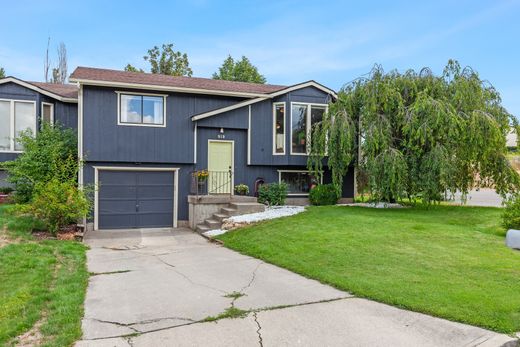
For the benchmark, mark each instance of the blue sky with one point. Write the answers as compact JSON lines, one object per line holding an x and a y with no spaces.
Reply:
{"x":332,"y":42}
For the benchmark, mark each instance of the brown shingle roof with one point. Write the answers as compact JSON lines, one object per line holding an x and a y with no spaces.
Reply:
{"x":105,"y":75}
{"x":63,"y":90}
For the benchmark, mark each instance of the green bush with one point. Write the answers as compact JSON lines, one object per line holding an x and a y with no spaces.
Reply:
{"x":323,"y":194}
{"x":58,"y":204}
{"x":52,"y":153}
{"x":511,"y":215}
{"x":242,"y":189}
{"x":272,"y":194}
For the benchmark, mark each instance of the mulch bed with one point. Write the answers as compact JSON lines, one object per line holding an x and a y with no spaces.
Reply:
{"x":70,"y":232}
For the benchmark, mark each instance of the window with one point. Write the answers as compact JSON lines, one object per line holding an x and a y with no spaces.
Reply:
{"x":47,"y":113}
{"x":279,"y":128}
{"x":298,"y":182}
{"x":144,"y":110}
{"x":303,"y":117}
{"x":15,"y":117}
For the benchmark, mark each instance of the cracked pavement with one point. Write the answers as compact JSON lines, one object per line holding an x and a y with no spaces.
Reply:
{"x":157,"y":287}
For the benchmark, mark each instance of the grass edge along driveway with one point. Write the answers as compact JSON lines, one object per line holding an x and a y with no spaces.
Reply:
{"x":42,"y":285}
{"x":446,"y":261}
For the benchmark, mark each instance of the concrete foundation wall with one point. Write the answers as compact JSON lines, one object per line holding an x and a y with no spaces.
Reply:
{"x":203,"y":207}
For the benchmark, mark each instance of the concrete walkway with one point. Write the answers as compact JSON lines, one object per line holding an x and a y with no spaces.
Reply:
{"x":158,"y":288}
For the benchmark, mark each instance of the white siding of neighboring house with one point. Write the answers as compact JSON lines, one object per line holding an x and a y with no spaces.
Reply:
{"x":511,"y":140}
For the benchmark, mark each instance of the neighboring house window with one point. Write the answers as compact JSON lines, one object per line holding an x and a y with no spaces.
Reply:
{"x":47,"y":113}
{"x":279,"y":128}
{"x":145,"y":110}
{"x":15,"y":117}
{"x":303,"y":117}
{"x":298,"y":182}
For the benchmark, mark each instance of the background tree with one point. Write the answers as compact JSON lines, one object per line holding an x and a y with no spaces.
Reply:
{"x":132,"y":68}
{"x":241,"y":70}
{"x":416,"y":135}
{"x":165,"y":61}
{"x":60,"y":71}
{"x":168,"y":61}
{"x":2,"y":72}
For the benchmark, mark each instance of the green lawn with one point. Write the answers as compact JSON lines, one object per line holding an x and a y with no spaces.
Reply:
{"x":40,"y":281}
{"x":446,"y":261}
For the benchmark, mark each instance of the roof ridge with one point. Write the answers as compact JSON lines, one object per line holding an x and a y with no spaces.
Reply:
{"x":138,"y":73}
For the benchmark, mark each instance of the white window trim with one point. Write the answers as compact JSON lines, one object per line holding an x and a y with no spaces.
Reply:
{"x":130,"y":168}
{"x":52,"y":112}
{"x":119,"y":93}
{"x":296,"y":171}
{"x":11,"y":130}
{"x":284,"y":127}
{"x":307,"y":123}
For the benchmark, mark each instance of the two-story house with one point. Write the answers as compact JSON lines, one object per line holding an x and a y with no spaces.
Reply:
{"x":142,"y":136}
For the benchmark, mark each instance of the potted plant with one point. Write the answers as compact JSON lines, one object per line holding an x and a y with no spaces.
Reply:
{"x":302,"y":137}
{"x":201,"y":176}
{"x":242,"y":189}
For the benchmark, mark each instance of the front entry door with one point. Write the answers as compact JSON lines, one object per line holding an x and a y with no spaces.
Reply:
{"x":220,"y":162}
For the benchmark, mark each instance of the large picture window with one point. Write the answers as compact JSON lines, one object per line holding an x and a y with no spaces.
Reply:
{"x":279,"y":128}
{"x":303,"y":117}
{"x":15,"y":117}
{"x":298,"y":182}
{"x":145,"y":110}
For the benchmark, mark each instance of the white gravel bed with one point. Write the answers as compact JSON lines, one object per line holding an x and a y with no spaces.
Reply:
{"x":269,"y":213}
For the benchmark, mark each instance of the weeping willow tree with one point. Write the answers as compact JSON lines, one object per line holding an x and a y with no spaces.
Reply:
{"x":416,"y":135}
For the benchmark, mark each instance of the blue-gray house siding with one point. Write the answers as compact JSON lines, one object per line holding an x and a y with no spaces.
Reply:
{"x":64,"y":113}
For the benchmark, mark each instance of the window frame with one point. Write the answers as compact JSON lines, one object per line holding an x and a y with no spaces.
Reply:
{"x":275,"y":104}
{"x":295,"y":171}
{"x":307,"y":123}
{"x":52,"y":112}
{"x":119,"y":122}
{"x":12,"y":132}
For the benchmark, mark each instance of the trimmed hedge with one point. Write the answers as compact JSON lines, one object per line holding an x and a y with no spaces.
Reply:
{"x":324,"y":194}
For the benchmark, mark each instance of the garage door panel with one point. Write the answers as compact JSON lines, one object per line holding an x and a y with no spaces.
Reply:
{"x":161,"y":206}
{"x":108,"y":206}
{"x":155,"y":191}
{"x":117,"y":192}
{"x":154,"y":220}
{"x":155,"y":177}
{"x":118,"y":177}
{"x":118,"y":221}
{"x":135,"y":199}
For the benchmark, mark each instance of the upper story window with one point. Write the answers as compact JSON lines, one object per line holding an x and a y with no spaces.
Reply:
{"x":303,"y":117}
{"x":142,"y":109}
{"x":15,"y":117}
{"x":47,"y":114}
{"x":279,"y":128}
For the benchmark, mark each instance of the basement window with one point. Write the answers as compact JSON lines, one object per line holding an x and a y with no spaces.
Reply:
{"x":298,"y":182}
{"x":142,"y":109}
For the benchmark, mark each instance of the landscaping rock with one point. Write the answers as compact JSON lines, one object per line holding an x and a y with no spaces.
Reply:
{"x":513,"y":239}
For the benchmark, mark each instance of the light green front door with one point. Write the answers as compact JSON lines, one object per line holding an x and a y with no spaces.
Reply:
{"x":220,"y":162}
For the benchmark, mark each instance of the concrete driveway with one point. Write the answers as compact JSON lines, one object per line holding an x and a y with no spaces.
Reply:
{"x":158,"y":288}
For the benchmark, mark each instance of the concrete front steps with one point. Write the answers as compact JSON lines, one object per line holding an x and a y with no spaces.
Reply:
{"x":232,"y":209}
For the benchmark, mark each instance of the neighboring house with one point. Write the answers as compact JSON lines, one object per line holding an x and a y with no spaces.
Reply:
{"x":24,"y":105}
{"x":511,"y":140}
{"x":142,"y":136}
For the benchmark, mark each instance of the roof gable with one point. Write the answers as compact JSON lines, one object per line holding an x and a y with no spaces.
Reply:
{"x":262,"y":98}
{"x":61,"y":92}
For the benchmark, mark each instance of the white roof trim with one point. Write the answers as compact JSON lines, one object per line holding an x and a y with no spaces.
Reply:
{"x":265,"y":97}
{"x":36,"y":89}
{"x":164,"y":88}
{"x":228,"y":108}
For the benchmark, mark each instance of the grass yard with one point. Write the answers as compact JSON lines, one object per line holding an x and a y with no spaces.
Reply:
{"x":42,"y":285}
{"x":446,"y":261}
